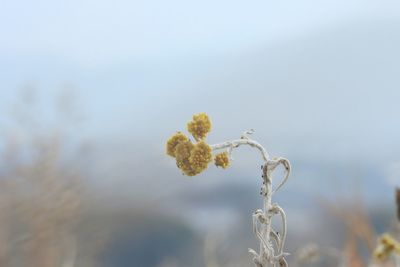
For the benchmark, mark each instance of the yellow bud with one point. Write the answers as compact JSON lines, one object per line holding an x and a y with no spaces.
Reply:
{"x":222,"y":160}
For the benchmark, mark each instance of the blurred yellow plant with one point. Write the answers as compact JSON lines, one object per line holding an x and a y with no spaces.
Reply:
{"x":386,"y":245}
{"x":222,"y":160}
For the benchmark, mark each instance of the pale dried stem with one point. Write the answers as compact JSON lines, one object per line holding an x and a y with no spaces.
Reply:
{"x":268,"y":255}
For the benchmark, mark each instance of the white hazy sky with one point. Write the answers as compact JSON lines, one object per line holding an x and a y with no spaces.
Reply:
{"x":99,"y":32}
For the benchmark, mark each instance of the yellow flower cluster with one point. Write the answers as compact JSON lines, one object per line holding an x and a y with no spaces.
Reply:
{"x":222,"y":160}
{"x":193,"y":158}
{"x":387,"y":244}
{"x":199,"y":126}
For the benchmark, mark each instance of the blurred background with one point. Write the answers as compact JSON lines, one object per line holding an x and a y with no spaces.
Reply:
{"x":91,"y":90}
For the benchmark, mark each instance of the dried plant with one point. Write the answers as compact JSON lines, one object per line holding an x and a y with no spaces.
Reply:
{"x":358,"y":228}
{"x":193,"y":158}
{"x":40,"y":194}
{"x":313,"y":253}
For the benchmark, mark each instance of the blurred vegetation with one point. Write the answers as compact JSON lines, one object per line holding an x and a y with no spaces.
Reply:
{"x":48,"y":213}
{"x":41,"y":191}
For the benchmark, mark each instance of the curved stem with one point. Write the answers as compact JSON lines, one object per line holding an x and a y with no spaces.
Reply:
{"x":284,"y":226}
{"x":276,"y":238}
{"x":266,"y":255}
{"x":239,"y":142}
{"x":272,"y":163}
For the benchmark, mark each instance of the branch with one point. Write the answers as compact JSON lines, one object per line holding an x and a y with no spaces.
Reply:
{"x":236,"y":143}
{"x":271,"y":163}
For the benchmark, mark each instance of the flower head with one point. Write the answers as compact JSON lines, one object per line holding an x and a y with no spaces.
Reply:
{"x":183,"y":150}
{"x":200,"y":156}
{"x":199,"y":126}
{"x":174,"y":141}
{"x":182,"y":155}
{"x":222,"y":160}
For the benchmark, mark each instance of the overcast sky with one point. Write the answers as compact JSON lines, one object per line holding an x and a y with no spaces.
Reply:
{"x":99,"y":32}
{"x":318,"y":80}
